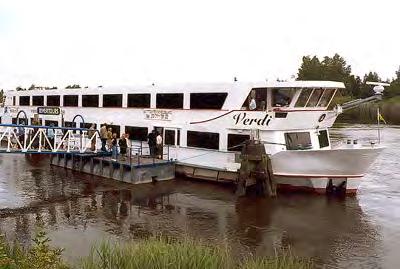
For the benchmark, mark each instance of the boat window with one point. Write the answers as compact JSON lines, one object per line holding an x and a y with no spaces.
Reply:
{"x":169,"y":100}
{"x":137,"y":133}
{"x":169,"y":137}
{"x":70,"y":124}
{"x":20,"y":121}
{"x":50,"y":122}
{"x":141,"y":100}
{"x":235,"y":141}
{"x":298,"y":141}
{"x":323,"y":139}
{"x":13,"y":100}
{"x":53,"y":100}
{"x":90,"y":101}
{"x":38,"y":121}
{"x":207,"y":100}
{"x":37,"y":100}
{"x":282,"y":97}
{"x":115,"y":129}
{"x":303,"y":98}
{"x":70,"y":100}
{"x":203,"y":140}
{"x":256,"y":100}
{"x":87,"y":125}
{"x":112,"y":100}
{"x":315,"y":96}
{"x":24,"y":100}
{"x":326,"y":97}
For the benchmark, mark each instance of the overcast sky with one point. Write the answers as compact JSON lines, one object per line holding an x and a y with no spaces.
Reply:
{"x":115,"y":42}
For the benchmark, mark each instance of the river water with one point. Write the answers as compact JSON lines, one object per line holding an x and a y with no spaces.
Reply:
{"x":78,"y":210}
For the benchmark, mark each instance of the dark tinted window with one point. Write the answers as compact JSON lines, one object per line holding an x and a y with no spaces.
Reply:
{"x":24,"y":100}
{"x":53,"y":100}
{"x":298,"y":141}
{"x":115,"y":129}
{"x":139,"y":100}
{"x":90,"y":100}
{"x":203,"y":140}
{"x":137,"y":133}
{"x":13,"y":100}
{"x":207,"y":100}
{"x":50,"y":122}
{"x":70,"y":100}
{"x":170,"y":100}
{"x":87,"y":125}
{"x":112,"y":100}
{"x":235,"y":141}
{"x":40,"y":122}
{"x":21,"y":120}
{"x":169,"y":137}
{"x":37,"y":100}
{"x":323,"y":139}
{"x":70,"y":124}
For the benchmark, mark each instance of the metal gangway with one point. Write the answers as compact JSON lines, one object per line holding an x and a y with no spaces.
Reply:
{"x":29,"y":139}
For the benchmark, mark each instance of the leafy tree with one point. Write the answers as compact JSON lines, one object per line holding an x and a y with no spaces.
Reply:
{"x":394,"y":89}
{"x":367,"y":90}
{"x":310,"y":69}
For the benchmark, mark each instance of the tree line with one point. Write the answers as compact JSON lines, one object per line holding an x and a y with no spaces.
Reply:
{"x":336,"y":68}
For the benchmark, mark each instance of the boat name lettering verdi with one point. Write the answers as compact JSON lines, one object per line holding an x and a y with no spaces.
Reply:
{"x":242,"y":118}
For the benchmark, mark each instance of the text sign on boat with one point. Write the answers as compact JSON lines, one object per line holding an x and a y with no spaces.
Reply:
{"x":48,"y":110}
{"x":154,"y":114}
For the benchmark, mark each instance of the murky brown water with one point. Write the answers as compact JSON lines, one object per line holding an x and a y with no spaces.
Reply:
{"x":77,"y":210}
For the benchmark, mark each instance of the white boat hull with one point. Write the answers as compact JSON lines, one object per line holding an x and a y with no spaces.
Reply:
{"x":308,"y":170}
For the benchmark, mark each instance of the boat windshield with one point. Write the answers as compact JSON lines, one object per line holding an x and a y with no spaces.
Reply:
{"x":282,"y":97}
{"x":318,"y":97}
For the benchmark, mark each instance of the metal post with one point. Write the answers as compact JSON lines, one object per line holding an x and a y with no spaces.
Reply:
{"x":379,"y":129}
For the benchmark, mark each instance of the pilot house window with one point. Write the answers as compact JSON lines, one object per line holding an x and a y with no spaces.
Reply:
{"x":298,"y":141}
{"x":207,"y":100}
{"x":282,"y":97}
{"x":170,"y":100}
{"x":256,"y":100}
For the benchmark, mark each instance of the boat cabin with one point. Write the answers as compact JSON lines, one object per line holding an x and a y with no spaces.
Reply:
{"x":297,"y":95}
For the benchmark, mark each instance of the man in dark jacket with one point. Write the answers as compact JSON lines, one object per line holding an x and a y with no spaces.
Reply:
{"x":152,"y":142}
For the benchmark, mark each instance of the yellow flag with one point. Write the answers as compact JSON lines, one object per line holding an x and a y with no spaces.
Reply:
{"x":380,"y":118}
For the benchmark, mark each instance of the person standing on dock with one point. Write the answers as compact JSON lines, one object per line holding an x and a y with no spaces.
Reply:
{"x":122,"y":146}
{"x":159,"y":146}
{"x":103,"y":137}
{"x":152,"y":142}
{"x":114,"y":144}
{"x":109,"y":138}
{"x":91,"y":133}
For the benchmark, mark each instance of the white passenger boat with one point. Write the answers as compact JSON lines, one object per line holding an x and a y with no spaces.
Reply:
{"x":205,"y":124}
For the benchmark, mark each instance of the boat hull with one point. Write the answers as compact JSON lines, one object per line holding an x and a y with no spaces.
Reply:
{"x":318,"y":171}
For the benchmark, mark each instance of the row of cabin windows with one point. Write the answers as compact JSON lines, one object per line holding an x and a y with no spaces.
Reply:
{"x":163,"y":100}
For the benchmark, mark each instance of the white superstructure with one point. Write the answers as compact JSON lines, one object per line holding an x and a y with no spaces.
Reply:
{"x":204,"y":124}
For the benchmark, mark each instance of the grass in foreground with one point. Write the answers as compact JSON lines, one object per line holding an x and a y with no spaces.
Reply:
{"x":151,"y":253}
{"x":157,"y":253}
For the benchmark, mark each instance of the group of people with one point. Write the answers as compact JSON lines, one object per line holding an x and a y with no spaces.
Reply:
{"x":155,"y":144}
{"x":110,"y":142}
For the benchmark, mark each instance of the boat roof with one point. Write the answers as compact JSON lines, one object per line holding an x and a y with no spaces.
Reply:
{"x":192,"y":87}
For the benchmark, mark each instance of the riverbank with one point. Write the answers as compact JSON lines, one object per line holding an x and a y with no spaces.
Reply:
{"x":149,"y":253}
{"x":367,"y":113}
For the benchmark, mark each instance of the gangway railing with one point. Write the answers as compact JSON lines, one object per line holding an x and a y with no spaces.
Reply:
{"x":47,"y":139}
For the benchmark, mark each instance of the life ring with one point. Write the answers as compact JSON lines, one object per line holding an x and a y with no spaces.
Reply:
{"x":322,"y":117}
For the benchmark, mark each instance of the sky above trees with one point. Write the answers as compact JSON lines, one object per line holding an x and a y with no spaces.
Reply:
{"x":58,"y":43}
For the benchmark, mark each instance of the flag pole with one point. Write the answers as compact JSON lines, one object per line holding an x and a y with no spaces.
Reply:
{"x":379,"y":129}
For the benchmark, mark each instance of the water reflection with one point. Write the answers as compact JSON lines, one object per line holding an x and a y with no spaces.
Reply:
{"x":78,"y":209}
